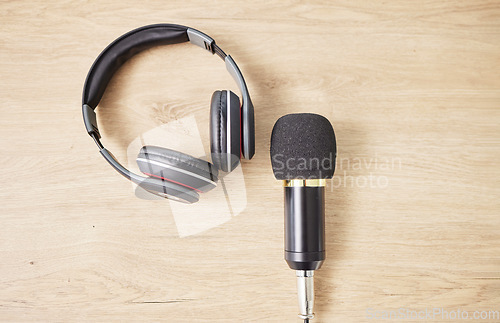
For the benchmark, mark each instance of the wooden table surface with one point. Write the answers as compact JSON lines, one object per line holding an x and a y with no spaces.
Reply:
{"x":412,"y":89}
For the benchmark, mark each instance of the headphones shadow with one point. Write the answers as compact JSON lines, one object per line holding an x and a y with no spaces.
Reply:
{"x":121,"y":121}
{"x":121,"y":124}
{"x":171,"y":123}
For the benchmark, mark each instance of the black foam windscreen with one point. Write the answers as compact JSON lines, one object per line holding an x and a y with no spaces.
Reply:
{"x":303,"y":147}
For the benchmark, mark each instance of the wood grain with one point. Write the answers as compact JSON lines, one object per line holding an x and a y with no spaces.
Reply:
{"x":413,"y":92}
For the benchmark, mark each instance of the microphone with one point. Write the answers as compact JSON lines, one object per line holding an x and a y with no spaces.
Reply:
{"x":303,"y":152}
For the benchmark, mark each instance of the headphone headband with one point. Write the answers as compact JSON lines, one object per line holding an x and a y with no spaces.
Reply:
{"x":136,"y":41}
{"x":122,"y":49}
{"x":140,"y":39}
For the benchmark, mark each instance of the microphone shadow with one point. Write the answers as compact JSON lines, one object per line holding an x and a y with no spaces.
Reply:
{"x":351,"y":142}
{"x":338,"y":197}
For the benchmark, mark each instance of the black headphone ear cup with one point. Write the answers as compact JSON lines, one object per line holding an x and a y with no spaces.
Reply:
{"x":225,"y":130}
{"x":177,"y":168}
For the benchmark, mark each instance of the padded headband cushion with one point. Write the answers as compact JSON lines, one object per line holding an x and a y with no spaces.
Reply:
{"x":179,"y":168}
{"x":225,"y":125}
{"x":123,"y":48}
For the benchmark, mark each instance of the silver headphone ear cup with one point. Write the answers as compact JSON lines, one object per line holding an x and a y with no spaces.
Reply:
{"x":178,"y":168}
{"x":225,"y":130}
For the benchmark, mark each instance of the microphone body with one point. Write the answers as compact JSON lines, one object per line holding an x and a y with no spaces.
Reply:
{"x":304,"y":224}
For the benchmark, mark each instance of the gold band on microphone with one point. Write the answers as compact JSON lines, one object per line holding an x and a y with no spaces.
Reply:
{"x":304,"y":182}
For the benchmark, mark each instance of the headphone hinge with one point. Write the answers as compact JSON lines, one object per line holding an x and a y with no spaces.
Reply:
{"x":90,"y":120}
{"x":200,"y":39}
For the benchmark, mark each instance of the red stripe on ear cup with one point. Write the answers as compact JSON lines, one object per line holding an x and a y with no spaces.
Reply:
{"x":172,"y":181}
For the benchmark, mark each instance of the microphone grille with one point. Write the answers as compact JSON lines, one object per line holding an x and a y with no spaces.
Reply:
{"x":303,"y":147}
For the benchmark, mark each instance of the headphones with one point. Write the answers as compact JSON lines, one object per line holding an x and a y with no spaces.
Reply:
{"x":169,"y":173}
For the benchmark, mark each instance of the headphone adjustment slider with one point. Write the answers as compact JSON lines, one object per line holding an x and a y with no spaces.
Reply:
{"x":200,"y":39}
